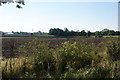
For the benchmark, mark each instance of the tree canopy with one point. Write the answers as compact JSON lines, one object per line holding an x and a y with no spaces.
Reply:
{"x":22,"y":2}
{"x":66,"y":32}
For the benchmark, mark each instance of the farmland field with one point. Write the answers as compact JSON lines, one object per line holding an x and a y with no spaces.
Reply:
{"x":59,"y":40}
{"x":78,"y":57}
{"x":11,"y":43}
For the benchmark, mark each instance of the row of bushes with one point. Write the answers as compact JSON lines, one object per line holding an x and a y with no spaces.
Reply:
{"x":71,"y":60}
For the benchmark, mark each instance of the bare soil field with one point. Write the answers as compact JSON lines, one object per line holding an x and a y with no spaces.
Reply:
{"x":10,"y":45}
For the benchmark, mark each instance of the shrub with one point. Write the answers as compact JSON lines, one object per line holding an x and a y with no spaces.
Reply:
{"x":99,"y":72}
{"x":42,"y":58}
{"x":113,"y":49}
{"x":96,"y":72}
{"x":71,"y":60}
{"x":77,"y":55}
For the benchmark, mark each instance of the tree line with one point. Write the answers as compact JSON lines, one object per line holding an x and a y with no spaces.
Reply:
{"x":66,"y":32}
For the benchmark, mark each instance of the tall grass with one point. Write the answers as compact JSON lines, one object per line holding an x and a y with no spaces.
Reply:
{"x":71,"y":60}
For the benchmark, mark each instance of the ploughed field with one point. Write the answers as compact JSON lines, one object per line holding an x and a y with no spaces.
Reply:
{"x":10,"y":45}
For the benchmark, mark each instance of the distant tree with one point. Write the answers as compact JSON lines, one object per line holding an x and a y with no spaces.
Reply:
{"x":88,"y":33}
{"x":39,"y":32}
{"x":13,"y":32}
{"x":105,"y":31}
{"x":73,"y":33}
{"x":92,"y":33}
{"x":31,"y":34}
{"x":83,"y":33}
{"x":77,"y":33}
{"x":108,"y":32}
{"x":66,"y":30}
{"x":111,"y":32}
{"x":2,"y":33}
{"x":57,"y":32}
{"x":117,"y":32}
{"x":98,"y":34}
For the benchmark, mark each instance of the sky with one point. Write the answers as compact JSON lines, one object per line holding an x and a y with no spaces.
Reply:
{"x":42,"y":15}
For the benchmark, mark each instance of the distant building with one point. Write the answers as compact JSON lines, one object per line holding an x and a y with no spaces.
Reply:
{"x":8,"y":33}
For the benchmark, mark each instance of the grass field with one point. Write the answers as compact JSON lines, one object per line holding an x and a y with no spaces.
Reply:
{"x":47,"y":36}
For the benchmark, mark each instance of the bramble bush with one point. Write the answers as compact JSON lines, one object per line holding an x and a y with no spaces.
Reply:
{"x":113,"y":49}
{"x":71,"y":60}
{"x":78,"y":55}
{"x":41,"y":56}
{"x":95,"y":72}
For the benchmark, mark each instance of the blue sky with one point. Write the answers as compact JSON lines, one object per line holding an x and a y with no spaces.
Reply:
{"x":93,"y":16}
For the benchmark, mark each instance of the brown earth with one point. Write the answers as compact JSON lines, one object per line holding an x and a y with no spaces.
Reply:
{"x":9,"y":45}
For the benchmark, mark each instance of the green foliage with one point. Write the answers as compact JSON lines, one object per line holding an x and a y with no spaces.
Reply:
{"x":34,"y":47}
{"x":95,"y":72}
{"x":56,"y":32}
{"x":99,"y":72}
{"x":71,"y":60}
{"x":76,"y":55}
{"x":66,"y":32}
{"x":113,"y":49}
{"x":41,"y":55}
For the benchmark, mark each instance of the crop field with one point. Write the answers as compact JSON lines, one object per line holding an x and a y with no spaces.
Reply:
{"x":77,"y":57}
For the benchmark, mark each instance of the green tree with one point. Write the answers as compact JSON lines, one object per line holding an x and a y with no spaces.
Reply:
{"x":112,"y":32}
{"x":83,"y":33}
{"x":57,"y":32}
{"x":98,"y":34}
{"x":66,"y":30}
{"x":12,"y":1}
{"x":88,"y":33}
